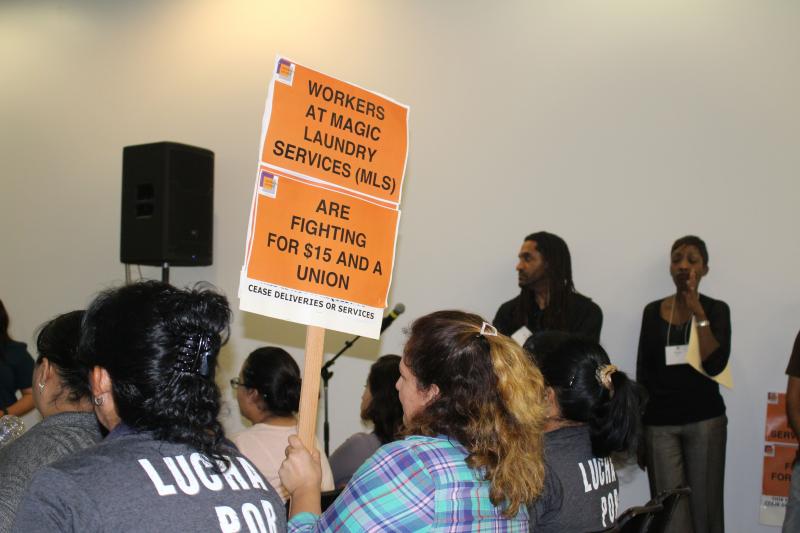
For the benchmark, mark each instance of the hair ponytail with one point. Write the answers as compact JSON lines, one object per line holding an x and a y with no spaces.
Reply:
{"x":591,"y":390}
{"x":616,"y":421}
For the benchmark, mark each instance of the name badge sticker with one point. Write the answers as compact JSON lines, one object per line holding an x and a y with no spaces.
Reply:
{"x":676,"y":355}
{"x":521,"y":335}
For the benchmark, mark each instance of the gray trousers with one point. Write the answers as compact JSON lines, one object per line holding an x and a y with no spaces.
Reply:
{"x":693,"y":455}
{"x":791,"y":523}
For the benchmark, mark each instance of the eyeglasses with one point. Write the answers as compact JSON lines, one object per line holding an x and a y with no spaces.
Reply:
{"x":236,"y":383}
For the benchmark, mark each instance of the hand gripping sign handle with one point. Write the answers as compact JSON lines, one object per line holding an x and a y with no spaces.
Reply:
{"x":309,"y":392}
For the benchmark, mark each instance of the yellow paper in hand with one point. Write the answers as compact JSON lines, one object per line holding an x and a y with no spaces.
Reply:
{"x":724,"y":378}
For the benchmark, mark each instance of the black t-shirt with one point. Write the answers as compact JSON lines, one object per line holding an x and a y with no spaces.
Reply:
{"x":678,"y":394}
{"x":793,"y":369}
{"x":16,"y":372}
{"x":584,"y":317}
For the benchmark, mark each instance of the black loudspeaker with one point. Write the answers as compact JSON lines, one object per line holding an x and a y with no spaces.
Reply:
{"x":167,"y":205}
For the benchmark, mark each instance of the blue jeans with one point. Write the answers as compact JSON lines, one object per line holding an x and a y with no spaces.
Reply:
{"x":693,"y":455}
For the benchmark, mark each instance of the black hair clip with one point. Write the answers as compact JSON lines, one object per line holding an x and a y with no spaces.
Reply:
{"x":194,"y":355}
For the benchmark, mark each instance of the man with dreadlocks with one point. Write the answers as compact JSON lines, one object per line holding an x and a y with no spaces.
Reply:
{"x":547,"y":298}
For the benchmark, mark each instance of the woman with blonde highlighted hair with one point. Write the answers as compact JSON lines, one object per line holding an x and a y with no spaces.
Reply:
{"x":473,"y":409}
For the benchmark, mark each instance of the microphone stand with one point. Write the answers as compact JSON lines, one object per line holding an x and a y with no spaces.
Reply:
{"x":326,"y":376}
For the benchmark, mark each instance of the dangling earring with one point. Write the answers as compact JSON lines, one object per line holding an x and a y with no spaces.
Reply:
{"x":97,"y":400}
{"x":41,"y":387}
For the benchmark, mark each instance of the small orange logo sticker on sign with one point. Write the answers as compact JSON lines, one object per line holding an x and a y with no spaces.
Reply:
{"x":268,"y":184}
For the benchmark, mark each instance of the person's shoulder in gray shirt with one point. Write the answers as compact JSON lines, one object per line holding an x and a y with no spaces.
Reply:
{"x":352,"y":453}
{"x":53,"y":438}
{"x":581,"y":491}
{"x":132,"y":482}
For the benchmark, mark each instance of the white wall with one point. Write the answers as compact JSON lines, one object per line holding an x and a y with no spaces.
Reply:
{"x":619,"y":125}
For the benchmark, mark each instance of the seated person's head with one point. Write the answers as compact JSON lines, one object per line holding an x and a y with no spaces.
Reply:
{"x":269,"y":385}
{"x":544,"y":342}
{"x":461,"y":379}
{"x":59,"y":378}
{"x":152,"y":350}
{"x":380,"y":403}
{"x":583,"y":386}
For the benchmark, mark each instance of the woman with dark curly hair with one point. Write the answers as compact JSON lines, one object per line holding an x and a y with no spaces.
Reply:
{"x":165,"y":466}
{"x":381,"y":407}
{"x":268,"y":392}
{"x":473,"y":408}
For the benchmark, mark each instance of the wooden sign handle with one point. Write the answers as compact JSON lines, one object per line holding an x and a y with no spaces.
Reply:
{"x":309,"y":392}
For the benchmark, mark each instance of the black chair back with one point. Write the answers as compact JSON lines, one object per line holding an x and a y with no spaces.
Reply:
{"x":635,"y":519}
{"x":669,"y":500}
{"x":328,"y":497}
{"x":638,"y":519}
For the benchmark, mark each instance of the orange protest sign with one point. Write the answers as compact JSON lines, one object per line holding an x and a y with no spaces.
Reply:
{"x":336,"y":132}
{"x":323,"y":222}
{"x":324,"y":215}
{"x":780,"y":449}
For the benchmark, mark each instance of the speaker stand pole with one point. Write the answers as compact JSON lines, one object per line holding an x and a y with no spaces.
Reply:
{"x":165,"y":272}
{"x":326,"y":376}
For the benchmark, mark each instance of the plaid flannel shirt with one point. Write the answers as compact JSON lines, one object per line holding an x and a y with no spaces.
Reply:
{"x":417,"y":484}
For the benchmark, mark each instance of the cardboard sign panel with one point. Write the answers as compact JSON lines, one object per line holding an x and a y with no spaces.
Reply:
{"x":312,"y":239}
{"x":337,"y":132}
{"x":325,"y":211}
